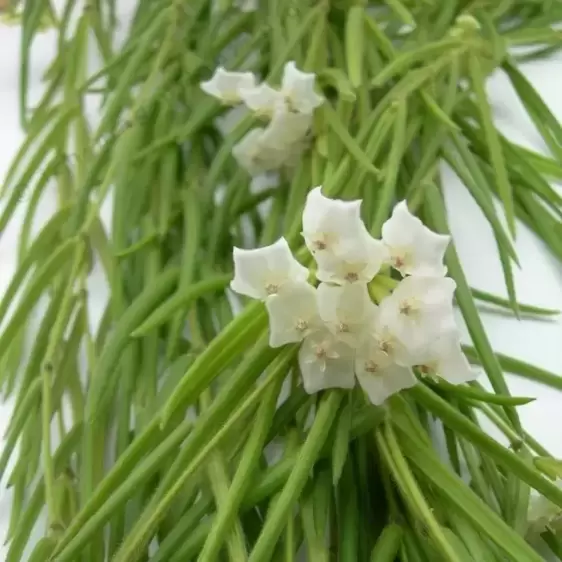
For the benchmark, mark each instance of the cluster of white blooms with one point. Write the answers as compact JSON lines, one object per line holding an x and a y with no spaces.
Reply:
{"x":287,"y":110}
{"x":344,"y":334}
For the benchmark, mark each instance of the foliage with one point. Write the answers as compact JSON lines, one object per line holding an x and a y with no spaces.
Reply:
{"x":404,"y":87}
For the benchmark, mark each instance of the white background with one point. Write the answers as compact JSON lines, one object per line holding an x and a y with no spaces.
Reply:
{"x":538,"y":282}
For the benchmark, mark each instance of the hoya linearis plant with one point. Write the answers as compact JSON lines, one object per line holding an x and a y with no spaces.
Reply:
{"x":132,"y":476}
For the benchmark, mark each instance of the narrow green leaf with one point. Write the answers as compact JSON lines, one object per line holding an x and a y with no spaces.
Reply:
{"x":403,"y":14}
{"x":551,"y":467}
{"x":143,"y":530}
{"x":43,"y":550}
{"x":474,"y":434}
{"x":339,"y":129}
{"x":518,"y":367}
{"x":503,"y":303}
{"x":466,"y":502}
{"x":411,"y":492}
{"x":539,"y":112}
{"x":337,"y":79}
{"x":120,"y":94}
{"x":348,"y":514}
{"x":341,"y":442}
{"x":229,"y":343}
{"x":479,"y":395}
{"x":226,"y":511}
{"x":388,"y":544}
{"x":42,"y":246}
{"x":494,"y":147}
{"x":397,"y":148}
{"x":458,"y":545}
{"x":309,"y":452}
{"x":43,"y":277}
{"x":61,"y":458}
{"x":103,"y":383}
{"x":157,"y":445}
{"x":354,"y":44}
{"x":181,"y":298}
{"x":404,"y":60}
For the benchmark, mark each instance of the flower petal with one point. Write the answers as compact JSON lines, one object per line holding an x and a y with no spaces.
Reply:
{"x":419,"y":310}
{"x":329,"y":222}
{"x":382,"y":384}
{"x":255,"y":155}
{"x":249,"y":273}
{"x":283,"y":265}
{"x":347,"y":311}
{"x":226,"y":86}
{"x":335,"y":370}
{"x":286,"y":128}
{"x":355,"y":260}
{"x":263,"y":99}
{"x":262,"y":272}
{"x":452,"y":364}
{"x":414,"y":249}
{"x":292,"y":314}
{"x":298,"y":89}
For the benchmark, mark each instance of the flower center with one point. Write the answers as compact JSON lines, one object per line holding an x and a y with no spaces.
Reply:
{"x":289,"y":99}
{"x":272,"y":288}
{"x":319,"y":245}
{"x":386,"y":347}
{"x":352,"y":277}
{"x":320,"y":352}
{"x":371,"y":366}
{"x":398,"y":262}
{"x":343,"y":327}
{"x":399,"y":258}
{"x":301,"y":325}
{"x":408,"y":307}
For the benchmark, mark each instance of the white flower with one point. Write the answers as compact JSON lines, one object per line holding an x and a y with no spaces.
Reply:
{"x":266,"y":271}
{"x":298,"y":90}
{"x":419,"y":310}
{"x":325,"y":362}
{"x":352,"y":263}
{"x":377,"y":373}
{"x":347,"y":311}
{"x":330,"y":225}
{"x":413,"y":248}
{"x":226,"y":86}
{"x":262,"y":99}
{"x":389,"y":345}
{"x":335,"y":234}
{"x":255,"y":155}
{"x":443,"y":357}
{"x":286,"y":129}
{"x":293,"y":314}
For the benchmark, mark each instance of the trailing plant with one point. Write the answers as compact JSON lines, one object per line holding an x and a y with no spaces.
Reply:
{"x":183,"y":434}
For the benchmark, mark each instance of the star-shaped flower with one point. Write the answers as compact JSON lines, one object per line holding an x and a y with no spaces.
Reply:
{"x":226,"y":86}
{"x":267,"y":271}
{"x":413,"y":248}
{"x":325,"y":362}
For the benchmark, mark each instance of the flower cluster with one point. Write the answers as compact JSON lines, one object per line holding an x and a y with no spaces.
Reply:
{"x":345,"y":335}
{"x":288,"y":111}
